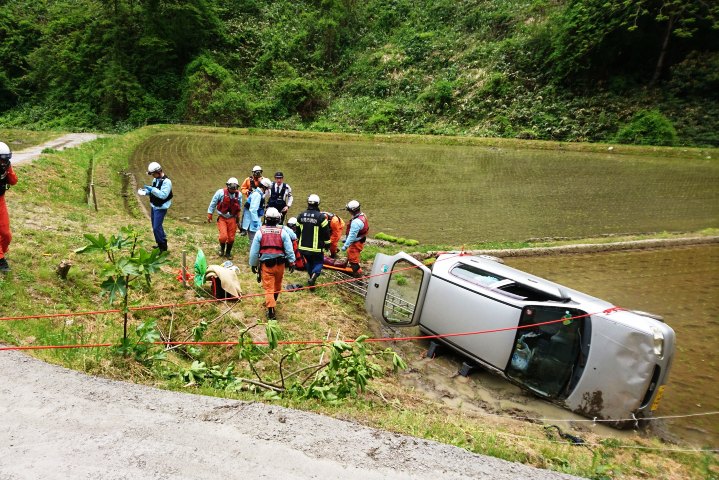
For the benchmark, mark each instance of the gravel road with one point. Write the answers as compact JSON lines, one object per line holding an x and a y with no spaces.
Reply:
{"x":66,"y":141}
{"x":59,"y":423}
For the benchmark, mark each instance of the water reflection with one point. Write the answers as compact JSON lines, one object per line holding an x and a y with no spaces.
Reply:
{"x":682,"y":285}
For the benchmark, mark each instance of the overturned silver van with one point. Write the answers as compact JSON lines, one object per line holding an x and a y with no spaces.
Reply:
{"x":570,"y":348}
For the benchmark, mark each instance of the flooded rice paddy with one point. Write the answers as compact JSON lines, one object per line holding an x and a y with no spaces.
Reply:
{"x":682,"y":285}
{"x":441,"y":194}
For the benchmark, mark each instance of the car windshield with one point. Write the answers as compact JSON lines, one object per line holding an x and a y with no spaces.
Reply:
{"x":549,"y":358}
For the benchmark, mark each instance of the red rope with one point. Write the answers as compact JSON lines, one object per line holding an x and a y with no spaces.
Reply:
{"x":196,"y":302}
{"x":320,"y":342}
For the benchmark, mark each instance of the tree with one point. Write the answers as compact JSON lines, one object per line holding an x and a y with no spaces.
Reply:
{"x":600,"y":37}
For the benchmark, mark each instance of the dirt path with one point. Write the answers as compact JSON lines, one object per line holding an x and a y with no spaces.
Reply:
{"x":59,"y":423}
{"x":66,"y":141}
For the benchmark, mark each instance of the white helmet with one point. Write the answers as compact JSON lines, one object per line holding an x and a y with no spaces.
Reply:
{"x":291,"y":222}
{"x":352,"y":206}
{"x":266,"y":182}
{"x":232,"y":181}
{"x":313,"y":199}
{"x":256,"y":169}
{"x":5,"y":153}
{"x":153,"y":167}
{"x":272,"y":212}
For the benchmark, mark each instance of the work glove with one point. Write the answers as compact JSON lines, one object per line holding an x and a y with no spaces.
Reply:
{"x":292,"y":267}
{"x":344,"y":247}
{"x":284,"y":209}
{"x":148,"y":188}
{"x":209,"y":218}
{"x":254,"y":270}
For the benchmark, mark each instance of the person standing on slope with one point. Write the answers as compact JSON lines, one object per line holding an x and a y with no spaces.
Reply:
{"x":314,"y":236}
{"x":248,"y":186}
{"x":160,"y":193}
{"x":270,"y":250}
{"x":280,"y":196}
{"x":228,"y":202}
{"x":7,"y":178}
{"x":256,"y":209}
{"x":356,"y":236}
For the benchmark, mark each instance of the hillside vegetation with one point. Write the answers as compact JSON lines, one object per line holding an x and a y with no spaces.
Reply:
{"x":631,"y":71}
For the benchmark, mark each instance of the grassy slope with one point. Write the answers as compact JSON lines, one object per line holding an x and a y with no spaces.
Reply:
{"x":49,"y":216}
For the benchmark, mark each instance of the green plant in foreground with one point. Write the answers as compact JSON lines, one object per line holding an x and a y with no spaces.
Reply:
{"x":143,"y":350}
{"x":298,"y":374}
{"x":129,"y":265}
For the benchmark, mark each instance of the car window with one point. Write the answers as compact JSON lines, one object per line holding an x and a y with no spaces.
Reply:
{"x":475,"y":275}
{"x":503,"y":285}
{"x":405,"y":283}
{"x":547,"y":358}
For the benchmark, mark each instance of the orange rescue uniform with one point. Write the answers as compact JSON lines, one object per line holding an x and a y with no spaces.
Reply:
{"x":337,"y":225}
{"x":5,"y":233}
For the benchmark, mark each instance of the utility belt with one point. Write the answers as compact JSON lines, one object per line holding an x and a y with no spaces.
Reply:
{"x":273,"y":261}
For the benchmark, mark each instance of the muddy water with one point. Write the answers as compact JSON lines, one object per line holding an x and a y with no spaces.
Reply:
{"x":682,"y":285}
{"x":449,"y":195}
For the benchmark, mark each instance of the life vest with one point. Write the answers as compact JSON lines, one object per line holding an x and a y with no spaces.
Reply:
{"x":157,"y":183}
{"x":271,"y":241}
{"x":277,"y":197}
{"x":362,"y":234}
{"x":299,"y":260}
{"x":230,"y":203}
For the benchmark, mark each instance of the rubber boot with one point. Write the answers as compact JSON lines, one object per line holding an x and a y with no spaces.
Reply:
{"x":356,"y":270}
{"x":4,"y":267}
{"x":313,"y":279}
{"x":271,"y":313}
{"x":277,"y":294}
{"x":162,"y":246}
{"x":228,"y":250}
{"x":221,"y":250}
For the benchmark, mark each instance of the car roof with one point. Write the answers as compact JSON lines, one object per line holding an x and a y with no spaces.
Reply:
{"x":559,"y":293}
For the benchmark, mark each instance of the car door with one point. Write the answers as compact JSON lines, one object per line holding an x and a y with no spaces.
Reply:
{"x":396,"y":289}
{"x":463,"y":306}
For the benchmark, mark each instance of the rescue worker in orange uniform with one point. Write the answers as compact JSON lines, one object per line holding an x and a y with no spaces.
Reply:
{"x":7,"y":178}
{"x":356,"y":236}
{"x":248,"y":185}
{"x":337,"y":228}
{"x":271,"y":249}
{"x":228,"y":202}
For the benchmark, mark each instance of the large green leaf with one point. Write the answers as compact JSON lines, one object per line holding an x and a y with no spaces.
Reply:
{"x":96,"y":244}
{"x":115,"y":286}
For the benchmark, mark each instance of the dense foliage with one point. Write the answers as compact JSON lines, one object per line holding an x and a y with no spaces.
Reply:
{"x":579,"y":70}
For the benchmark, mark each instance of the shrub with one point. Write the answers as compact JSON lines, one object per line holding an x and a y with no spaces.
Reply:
{"x":648,"y":127}
{"x":439,"y":95}
{"x":300,"y":95}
